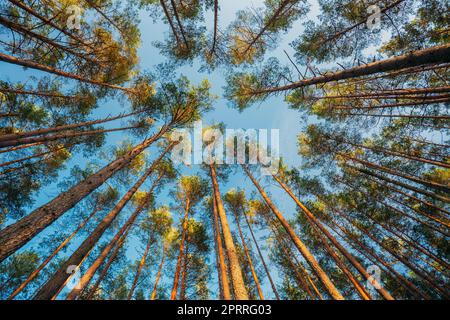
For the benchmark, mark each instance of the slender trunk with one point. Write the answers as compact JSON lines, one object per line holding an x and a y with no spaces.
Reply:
{"x":46,"y":94}
{"x":272,"y":19}
{"x":223,"y":275}
{"x":37,"y":66}
{"x":180,"y":25}
{"x":21,"y":141}
{"x":21,"y":135}
{"x":169,"y":19}
{"x":34,"y":274}
{"x":266,"y":269}
{"x":38,"y":155}
{"x":185,"y":271}
{"x":240,"y":291}
{"x":176,"y":278}
{"x":300,"y":278}
{"x":431,"y":184}
{"x":20,"y":29}
{"x":428,"y":100}
{"x":140,"y":267}
{"x":216,"y":19}
{"x":108,"y":264}
{"x":89,"y":274}
{"x":249,"y":258}
{"x":356,"y":25}
{"x":402,"y":280}
{"x":48,"y":22}
{"x":399,"y":257}
{"x":397,"y":116}
{"x":397,"y":154}
{"x":433,"y":55}
{"x":18,"y":234}
{"x":158,"y":275}
{"x":335,"y":242}
{"x":394,"y":92}
{"x":398,"y":183}
{"x":21,"y":147}
{"x":331,"y":288}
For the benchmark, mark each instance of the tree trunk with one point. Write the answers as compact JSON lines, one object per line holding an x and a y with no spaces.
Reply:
{"x":58,"y":280}
{"x":158,"y":275}
{"x":221,"y":265}
{"x":249,"y":258}
{"x":176,"y":278}
{"x":240,"y":291}
{"x":48,"y":22}
{"x":433,"y":55}
{"x":70,"y":134}
{"x":18,"y":234}
{"x":49,"y":258}
{"x":169,"y":19}
{"x":272,"y":284}
{"x":140,"y":267}
{"x":177,"y":17}
{"x":108,"y":264}
{"x":89,"y":274}
{"x":332,"y":290}
{"x":37,"y":66}
{"x":185,"y":271}
{"x":21,"y":135}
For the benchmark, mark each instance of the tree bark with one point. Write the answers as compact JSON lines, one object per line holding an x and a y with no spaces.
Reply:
{"x":37,"y":66}
{"x":240,"y":291}
{"x":176,"y":278}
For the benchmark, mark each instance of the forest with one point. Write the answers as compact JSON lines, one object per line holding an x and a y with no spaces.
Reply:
{"x":93,"y":205}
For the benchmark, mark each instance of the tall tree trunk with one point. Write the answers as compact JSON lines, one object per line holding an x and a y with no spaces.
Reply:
{"x":313,"y":220}
{"x":21,"y":135}
{"x":433,"y":55}
{"x":140,"y":267}
{"x":221,"y":265}
{"x":18,"y":234}
{"x":331,"y":288}
{"x":52,"y":255}
{"x":272,"y":19}
{"x":60,"y":277}
{"x":249,"y":258}
{"x":431,"y":184}
{"x":426,"y":277}
{"x":366,"y":251}
{"x":158,"y":275}
{"x":240,"y":291}
{"x":266,"y":269}
{"x":172,"y":26}
{"x":70,"y":134}
{"x":89,"y":274}
{"x":176,"y":278}
{"x":184,"y":273}
{"x":37,"y":66}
